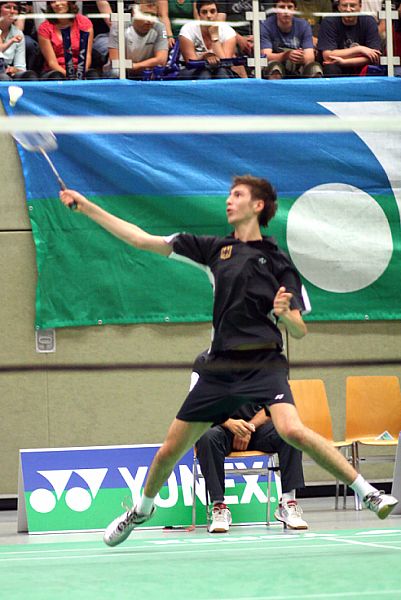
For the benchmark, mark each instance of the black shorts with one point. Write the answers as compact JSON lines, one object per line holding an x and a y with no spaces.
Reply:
{"x":231,"y":379}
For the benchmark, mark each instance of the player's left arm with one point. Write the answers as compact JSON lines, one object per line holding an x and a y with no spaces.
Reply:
{"x":290,"y":317}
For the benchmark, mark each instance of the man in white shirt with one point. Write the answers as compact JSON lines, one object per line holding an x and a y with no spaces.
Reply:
{"x":146,"y":43}
{"x":207,"y":43}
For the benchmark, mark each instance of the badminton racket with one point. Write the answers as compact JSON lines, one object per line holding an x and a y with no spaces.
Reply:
{"x":42,"y":142}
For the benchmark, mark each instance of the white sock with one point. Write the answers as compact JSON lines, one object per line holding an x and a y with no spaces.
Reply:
{"x":288,"y":496}
{"x":362,"y":487}
{"x":145,"y":505}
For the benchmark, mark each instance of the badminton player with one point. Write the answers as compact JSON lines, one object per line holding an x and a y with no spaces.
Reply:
{"x":255,"y":287}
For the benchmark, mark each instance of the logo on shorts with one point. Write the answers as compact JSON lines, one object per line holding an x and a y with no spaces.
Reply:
{"x":226,"y":252}
{"x":262,"y":260}
{"x":279,"y":397}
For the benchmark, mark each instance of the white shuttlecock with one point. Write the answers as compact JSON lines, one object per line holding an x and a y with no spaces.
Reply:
{"x":15,"y":92}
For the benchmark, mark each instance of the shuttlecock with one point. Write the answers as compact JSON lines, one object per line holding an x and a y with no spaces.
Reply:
{"x":15,"y":92}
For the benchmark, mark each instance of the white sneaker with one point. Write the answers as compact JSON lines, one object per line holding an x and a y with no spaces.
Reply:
{"x":221,"y":519}
{"x":121,"y":527}
{"x":380,"y":503}
{"x":290,"y":514}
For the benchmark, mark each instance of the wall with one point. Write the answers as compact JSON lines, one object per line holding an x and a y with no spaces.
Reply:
{"x":41,"y":407}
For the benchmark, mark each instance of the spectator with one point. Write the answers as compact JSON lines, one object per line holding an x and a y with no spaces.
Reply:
{"x":177,"y":9}
{"x":101,"y":28}
{"x":207,"y":43}
{"x":51,"y":41}
{"x":34,"y":59}
{"x":348,"y":43}
{"x":145,"y":43}
{"x":12,"y":45}
{"x":221,"y":439}
{"x":287,"y":43}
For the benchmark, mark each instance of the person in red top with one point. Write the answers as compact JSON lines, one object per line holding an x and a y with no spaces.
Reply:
{"x":51,"y":41}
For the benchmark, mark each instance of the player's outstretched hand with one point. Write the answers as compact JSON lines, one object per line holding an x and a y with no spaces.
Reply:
{"x":281,"y":304}
{"x":73,"y":199}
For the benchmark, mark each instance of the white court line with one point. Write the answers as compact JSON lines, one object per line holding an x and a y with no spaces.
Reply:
{"x":366,"y":544}
{"x":199,"y":124}
{"x":146,"y":550}
{"x":311,"y":596}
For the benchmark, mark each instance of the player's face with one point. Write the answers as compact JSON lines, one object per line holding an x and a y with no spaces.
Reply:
{"x":240,"y":207}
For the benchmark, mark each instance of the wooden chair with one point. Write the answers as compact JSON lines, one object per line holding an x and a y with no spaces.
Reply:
{"x":313,"y":408}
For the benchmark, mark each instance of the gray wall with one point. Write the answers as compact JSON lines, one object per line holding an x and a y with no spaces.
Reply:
{"x":46,"y":408}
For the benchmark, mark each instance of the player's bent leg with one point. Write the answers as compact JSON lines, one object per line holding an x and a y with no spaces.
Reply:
{"x":289,"y":426}
{"x":180,"y":437}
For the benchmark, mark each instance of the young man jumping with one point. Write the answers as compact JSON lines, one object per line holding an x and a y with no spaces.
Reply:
{"x":255,"y":286}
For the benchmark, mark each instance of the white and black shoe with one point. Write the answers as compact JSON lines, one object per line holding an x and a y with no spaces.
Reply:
{"x":290,"y":514}
{"x":221,"y":519}
{"x":380,"y":503}
{"x":121,"y":527}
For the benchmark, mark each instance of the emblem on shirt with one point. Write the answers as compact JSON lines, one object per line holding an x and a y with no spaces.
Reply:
{"x":262,"y":260}
{"x":226,"y":252}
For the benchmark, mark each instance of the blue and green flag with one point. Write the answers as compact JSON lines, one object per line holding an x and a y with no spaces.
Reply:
{"x":339,"y":197}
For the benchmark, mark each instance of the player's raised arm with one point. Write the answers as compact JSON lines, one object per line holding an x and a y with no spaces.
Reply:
{"x":128,"y":232}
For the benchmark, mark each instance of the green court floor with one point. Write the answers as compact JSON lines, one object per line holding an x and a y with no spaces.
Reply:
{"x":246,"y":564}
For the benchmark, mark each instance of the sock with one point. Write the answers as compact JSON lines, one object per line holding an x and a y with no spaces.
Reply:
{"x":362,"y":487}
{"x":287,"y":496}
{"x":145,"y":505}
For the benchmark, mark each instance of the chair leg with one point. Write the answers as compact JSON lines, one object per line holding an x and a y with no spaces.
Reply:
{"x":357,"y":501}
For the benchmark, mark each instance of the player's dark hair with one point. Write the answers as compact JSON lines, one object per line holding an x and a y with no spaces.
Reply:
{"x":260,"y":189}
{"x":201,"y":3}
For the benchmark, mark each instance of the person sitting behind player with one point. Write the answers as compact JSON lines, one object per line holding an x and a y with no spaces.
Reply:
{"x":208,"y":43}
{"x":146,"y":43}
{"x":223,"y":438}
{"x":287,"y":43}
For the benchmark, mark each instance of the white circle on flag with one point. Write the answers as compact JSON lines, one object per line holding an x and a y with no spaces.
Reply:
{"x":339,"y":237}
{"x":78,"y":499}
{"x":42,"y":501}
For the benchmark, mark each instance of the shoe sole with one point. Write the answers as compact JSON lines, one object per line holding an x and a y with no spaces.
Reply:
{"x":386,"y":510}
{"x":218,"y":530}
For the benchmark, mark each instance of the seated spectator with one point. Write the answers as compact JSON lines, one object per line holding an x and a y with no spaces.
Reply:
{"x":33,"y":55}
{"x":207,"y":43}
{"x":287,"y":43}
{"x":348,"y":43}
{"x":145,"y":42}
{"x":179,"y":9}
{"x":12,"y":45}
{"x":101,"y":28}
{"x":51,"y":40}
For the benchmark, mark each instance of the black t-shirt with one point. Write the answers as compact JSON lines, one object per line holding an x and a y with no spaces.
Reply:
{"x":245,"y":278}
{"x":334,"y":35}
{"x":236,"y":11}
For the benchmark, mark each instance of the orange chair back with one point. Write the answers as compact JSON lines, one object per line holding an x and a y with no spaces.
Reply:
{"x":312,"y":405}
{"x":373,"y":405}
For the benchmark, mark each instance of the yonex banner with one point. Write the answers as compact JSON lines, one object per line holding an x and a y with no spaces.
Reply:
{"x":78,"y":489}
{"x":339,"y":196}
